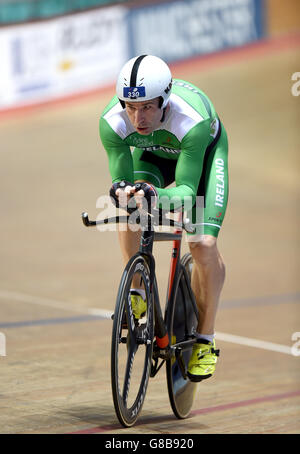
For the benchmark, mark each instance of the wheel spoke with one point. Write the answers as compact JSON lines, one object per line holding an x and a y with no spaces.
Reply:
{"x":127,"y":376}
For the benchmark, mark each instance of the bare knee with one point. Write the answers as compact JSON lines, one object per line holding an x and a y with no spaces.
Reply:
{"x":206,"y":245}
{"x":205,"y":250}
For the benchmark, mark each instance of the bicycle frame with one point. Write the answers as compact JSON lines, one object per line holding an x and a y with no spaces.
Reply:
{"x":146,"y":245}
{"x":173,"y":333}
{"x":163,"y":349}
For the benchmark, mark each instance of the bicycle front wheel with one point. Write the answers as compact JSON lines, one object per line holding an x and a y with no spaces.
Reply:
{"x":132,"y":343}
{"x":181,"y":319}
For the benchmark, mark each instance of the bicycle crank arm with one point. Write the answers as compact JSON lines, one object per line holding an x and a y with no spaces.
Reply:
{"x":180,"y":362}
{"x":184,"y":345}
{"x":155,"y":368}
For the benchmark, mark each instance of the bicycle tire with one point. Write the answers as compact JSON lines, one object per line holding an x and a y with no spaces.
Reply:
{"x":181,"y":320}
{"x":132,"y":343}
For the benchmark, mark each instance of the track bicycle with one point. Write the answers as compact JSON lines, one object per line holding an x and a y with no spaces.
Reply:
{"x":140,"y":347}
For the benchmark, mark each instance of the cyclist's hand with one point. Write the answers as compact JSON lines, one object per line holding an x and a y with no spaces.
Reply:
{"x":121,"y":192}
{"x":146,"y":196}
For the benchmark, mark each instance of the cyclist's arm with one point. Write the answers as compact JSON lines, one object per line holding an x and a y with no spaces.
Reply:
{"x":119,"y":154}
{"x":189,"y":166}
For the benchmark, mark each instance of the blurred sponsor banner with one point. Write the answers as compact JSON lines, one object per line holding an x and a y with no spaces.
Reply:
{"x":77,"y":53}
{"x":180,"y":29}
{"x":62,"y":56}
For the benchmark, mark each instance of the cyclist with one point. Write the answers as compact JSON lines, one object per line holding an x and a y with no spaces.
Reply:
{"x":157,"y":131}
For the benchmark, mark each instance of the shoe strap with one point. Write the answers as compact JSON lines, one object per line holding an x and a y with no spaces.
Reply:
{"x":212,"y":349}
{"x":134,"y":293}
{"x":202,"y":341}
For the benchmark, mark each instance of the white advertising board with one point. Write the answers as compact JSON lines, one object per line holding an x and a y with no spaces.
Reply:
{"x":63,"y":56}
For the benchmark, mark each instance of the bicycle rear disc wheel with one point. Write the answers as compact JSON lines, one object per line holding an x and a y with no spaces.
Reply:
{"x":132,"y":343}
{"x":182,"y":320}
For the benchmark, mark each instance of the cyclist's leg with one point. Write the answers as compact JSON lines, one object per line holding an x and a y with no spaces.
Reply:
{"x":207,"y":282}
{"x":209,"y":269}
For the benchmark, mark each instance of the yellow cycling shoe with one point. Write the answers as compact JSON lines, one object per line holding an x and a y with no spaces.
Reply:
{"x":138,"y":304}
{"x":203,"y":361}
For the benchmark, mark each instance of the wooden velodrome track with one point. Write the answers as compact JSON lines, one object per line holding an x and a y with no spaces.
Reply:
{"x":55,"y":377}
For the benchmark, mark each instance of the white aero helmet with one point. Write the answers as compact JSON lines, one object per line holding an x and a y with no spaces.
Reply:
{"x":143,"y":78}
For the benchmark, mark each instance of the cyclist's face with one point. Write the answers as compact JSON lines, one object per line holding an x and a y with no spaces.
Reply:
{"x":144,"y":116}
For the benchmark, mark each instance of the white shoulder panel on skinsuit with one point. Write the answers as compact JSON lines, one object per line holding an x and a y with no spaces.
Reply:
{"x":119,"y":121}
{"x":182,"y":117}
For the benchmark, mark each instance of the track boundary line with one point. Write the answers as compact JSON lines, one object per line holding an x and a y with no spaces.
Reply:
{"x":56,"y":304}
{"x":256,"y":343}
{"x":100,"y":314}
